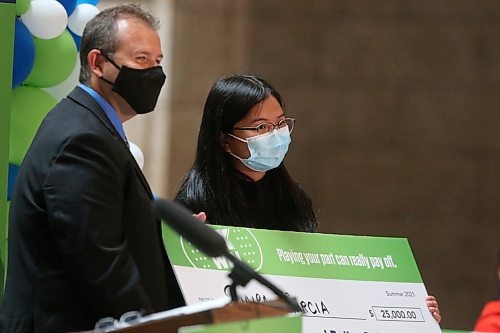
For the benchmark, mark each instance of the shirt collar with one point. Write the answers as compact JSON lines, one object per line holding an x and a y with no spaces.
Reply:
{"x":108,"y":109}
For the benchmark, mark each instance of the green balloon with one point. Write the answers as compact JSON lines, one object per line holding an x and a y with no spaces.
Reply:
{"x":29,"y":107}
{"x":22,"y":6}
{"x":54,"y":61}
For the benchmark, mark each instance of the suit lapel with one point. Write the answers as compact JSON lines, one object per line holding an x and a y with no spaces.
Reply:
{"x":79,"y":96}
{"x":141,"y":176}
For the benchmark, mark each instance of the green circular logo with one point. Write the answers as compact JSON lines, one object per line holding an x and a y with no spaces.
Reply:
{"x":240,"y":242}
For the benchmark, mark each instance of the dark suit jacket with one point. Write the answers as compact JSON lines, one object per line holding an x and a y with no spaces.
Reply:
{"x":83,"y":240}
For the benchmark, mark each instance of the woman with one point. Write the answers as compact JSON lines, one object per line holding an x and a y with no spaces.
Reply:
{"x":238,"y":177}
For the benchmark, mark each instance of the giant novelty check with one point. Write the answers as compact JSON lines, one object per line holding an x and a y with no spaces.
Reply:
{"x":344,"y":284}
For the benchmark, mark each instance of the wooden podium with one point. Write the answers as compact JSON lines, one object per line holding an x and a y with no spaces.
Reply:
{"x":228,"y":313}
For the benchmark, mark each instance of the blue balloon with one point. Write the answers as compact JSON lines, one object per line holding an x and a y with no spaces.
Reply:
{"x":13,"y":171}
{"x":24,"y":54}
{"x":69,"y":5}
{"x":92,"y":2}
{"x":76,"y":38}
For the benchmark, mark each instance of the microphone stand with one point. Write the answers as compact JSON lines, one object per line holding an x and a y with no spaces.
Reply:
{"x":242,"y":274}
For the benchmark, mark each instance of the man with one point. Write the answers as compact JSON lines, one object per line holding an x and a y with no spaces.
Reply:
{"x":84,"y":242}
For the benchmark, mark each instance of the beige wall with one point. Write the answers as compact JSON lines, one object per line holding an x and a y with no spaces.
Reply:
{"x":398,"y":130}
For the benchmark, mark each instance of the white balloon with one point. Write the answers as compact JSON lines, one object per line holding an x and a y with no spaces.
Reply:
{"x":137,"y":153}
{"x":83,"y":13}
{"x":45,"y":19}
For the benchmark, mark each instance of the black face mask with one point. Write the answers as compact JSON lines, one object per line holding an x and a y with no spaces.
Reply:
{"x":140,"y":88}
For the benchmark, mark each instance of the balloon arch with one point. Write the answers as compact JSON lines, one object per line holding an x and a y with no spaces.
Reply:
{"x":46,"y":68}
{"x":46,"y":65}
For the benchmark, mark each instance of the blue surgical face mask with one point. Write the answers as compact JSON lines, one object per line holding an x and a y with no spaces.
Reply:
{"x":267,"y":151}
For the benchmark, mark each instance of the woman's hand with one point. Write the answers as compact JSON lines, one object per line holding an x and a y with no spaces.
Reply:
{"x":201,"y":216}
{"x":433,"y":307}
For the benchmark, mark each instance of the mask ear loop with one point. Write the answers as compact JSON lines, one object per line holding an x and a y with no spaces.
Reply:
{"x":237,"y":138}
{"x":229,"y":151}
{"x":110,"y":61}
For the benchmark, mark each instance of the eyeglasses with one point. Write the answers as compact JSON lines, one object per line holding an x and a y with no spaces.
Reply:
{"x":269,"y":127}
{"x":108,"y":324}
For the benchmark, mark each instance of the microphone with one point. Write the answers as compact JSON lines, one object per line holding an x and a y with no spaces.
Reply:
{"x":182,"y":221}
{"x":213,"y":244}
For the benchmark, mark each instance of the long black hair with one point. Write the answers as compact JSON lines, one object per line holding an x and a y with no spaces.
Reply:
{"x":210,"y":185}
